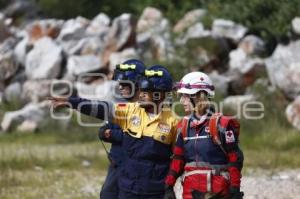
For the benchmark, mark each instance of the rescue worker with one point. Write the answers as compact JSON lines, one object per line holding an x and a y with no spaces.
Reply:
{"x":149,"y":133}
{"x":127,"y":75}
{"x":206,"y":150}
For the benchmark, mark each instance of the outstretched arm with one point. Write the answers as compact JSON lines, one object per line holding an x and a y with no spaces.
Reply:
{"x":99,"y":109}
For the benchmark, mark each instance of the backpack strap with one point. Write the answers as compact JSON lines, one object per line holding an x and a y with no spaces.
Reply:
{"x":213,"y":126}
{"x":184,"y":127}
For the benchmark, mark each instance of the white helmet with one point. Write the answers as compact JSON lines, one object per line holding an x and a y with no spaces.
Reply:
{"x":194,"y":82}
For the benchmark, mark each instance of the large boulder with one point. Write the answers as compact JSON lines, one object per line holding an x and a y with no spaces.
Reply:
{"x":195,"y":31}
{"x":252,"y":45}
{"x":99,"y":26}
{"x":8,"y":65}
{"x":32,"y":112}
{"x":44,"y":28}
{"x":44,"y":60}
{"x":13,"y":92}
{"x":25,"y":9}
{"x":21,"y":50}
{"x":154,"y":38}
{"x":296,"y":25}
{"x":78,"y":65}
{"x":283,"y":68}
{"x":39,"y":90}
{"x":240,"y":61}
{"x":293,"y":113}
{"x":73,"y":29}
{"x":92,"y":45}
{"x":4,"y":30}
{"x":98,"y":90}
{"x":220,"y":82}
{"x":189,"y":19}
{"x":235,"y":103}
{"x":122,"y":34}
{"x":228,"y":29}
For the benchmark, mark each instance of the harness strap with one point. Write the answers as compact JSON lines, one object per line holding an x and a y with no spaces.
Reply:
{"x":196,"y":137}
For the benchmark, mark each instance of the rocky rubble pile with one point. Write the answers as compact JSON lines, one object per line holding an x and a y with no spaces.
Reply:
{"x":61,"y":57}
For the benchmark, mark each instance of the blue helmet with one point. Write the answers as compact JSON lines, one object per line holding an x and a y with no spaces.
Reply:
{"x":156,"y":78}
{"x":131,"y":70}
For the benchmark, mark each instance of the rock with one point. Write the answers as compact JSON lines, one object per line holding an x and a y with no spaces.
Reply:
{"x":73,"y":29}
{"x":13,"y":92}
{"x":21,"y":8}
{"x":44,"y":28}
{"x":220,"y":82}
{"x":195,"y":31}
{"x":240,"y":81}
{"x":235,"y":102}
{"x":4,"y":30}
{"x":28,"y":126}
{"x":150,"y":18}
{"x":228,"y":29}
{"x":19,"y":77}
{"x":292,"y":113}
{"x":1,"y":100}
{"x":78,"y":65}
{"x":121,"y":35}
{"x":252,"y":45}
{"x":154,"y":39}
{"x":103,"y":91}
{"x":189,"y":19}
{"x":92,"y":45}
{"x":296,"y":25}
{"x":243,"y":63}
{"x":31,"y":112}
{"x":210,"y":52}
{"x":86,"y":163}
{"x":36,"y":90}
{"x":39,"y":90}
{"x":120,"y":57}
{"x":8,"y":65}
{"x":283,"y":69}
{"x":99,"y":26}
{"x":21,"y":50}
{"x":44,"y":60}
{"x":73,"y":47}
{"x":87,"y":45}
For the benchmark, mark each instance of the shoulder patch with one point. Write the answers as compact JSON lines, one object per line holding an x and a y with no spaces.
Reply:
{"x":229,"y":137}
{"x":121,"y":105}
{"x":164,"y":128}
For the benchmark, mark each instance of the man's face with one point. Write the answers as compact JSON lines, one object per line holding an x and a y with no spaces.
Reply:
{"x":125,"y":90}
{"x":145,"y":99}
{"x":148,"y":99}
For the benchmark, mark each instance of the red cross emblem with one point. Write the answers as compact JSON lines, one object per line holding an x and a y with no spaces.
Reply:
{"x":229,"y":134}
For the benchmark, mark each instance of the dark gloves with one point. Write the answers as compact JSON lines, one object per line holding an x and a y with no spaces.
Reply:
{"x":169,"y":193}
{"x":104,"y":131}
{"x":235,"y":193}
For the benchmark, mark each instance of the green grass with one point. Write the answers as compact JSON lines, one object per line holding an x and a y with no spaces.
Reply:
{"x":51,"y":165}
{"x":58,"y":183}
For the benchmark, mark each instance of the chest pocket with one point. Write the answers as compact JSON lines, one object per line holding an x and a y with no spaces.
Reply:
{"x":163,"y":133}
{"x":135,"y":126}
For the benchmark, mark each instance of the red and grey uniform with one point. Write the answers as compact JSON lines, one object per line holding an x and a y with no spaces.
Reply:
{"x":207,"y":166}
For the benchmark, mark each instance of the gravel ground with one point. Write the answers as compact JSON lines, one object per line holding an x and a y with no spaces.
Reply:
{"x":260,"y":184}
